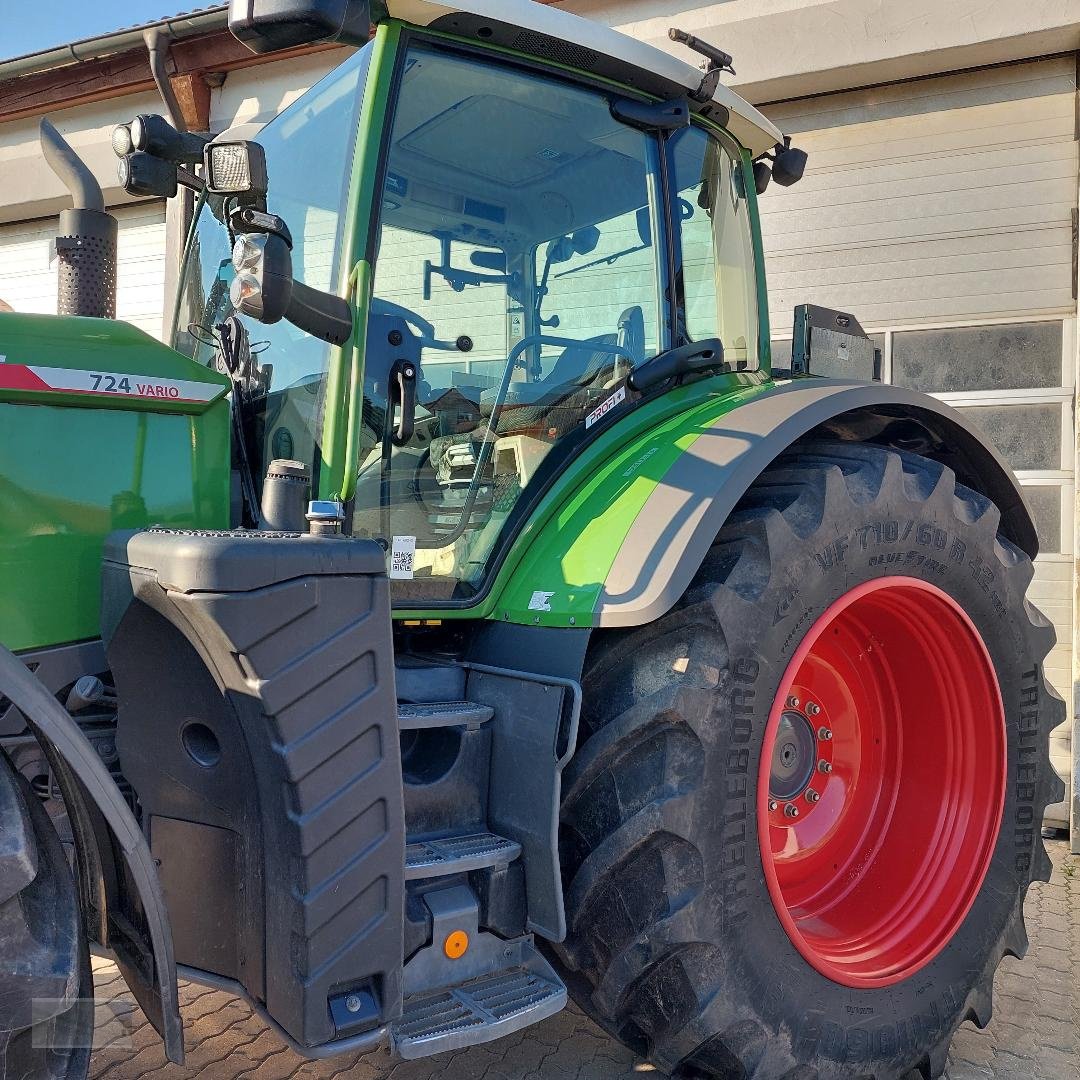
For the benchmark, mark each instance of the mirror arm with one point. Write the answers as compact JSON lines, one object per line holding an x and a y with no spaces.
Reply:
{"x":321,"y":314}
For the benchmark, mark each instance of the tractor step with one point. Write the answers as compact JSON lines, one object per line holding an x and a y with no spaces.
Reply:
{"x":478,"y":1011}
{"x":458,"y":854}
{"x":418,"y":717}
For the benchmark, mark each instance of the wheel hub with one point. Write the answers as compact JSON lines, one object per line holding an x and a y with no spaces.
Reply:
{"x":794,"y":757}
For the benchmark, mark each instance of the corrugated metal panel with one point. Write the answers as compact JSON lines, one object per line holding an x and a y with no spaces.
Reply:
{"x":946,"y":198}
{"x":28,"y":265}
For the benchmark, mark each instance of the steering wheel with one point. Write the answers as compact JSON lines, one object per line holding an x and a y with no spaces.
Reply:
{"x":425,"y":330}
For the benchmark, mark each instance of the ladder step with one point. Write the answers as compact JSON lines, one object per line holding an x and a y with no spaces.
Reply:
{"x":416,"y":717}
{"x":458,"y":854}
{"x":477,"y":1011}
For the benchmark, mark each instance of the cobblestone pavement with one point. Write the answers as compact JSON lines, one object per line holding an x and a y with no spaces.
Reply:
{"x":1035,"y":1034}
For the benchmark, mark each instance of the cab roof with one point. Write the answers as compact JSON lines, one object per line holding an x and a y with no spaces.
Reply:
{"x":551,"y":34}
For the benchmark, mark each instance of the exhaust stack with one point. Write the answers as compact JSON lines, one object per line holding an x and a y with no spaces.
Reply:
{"x":86,"y":244}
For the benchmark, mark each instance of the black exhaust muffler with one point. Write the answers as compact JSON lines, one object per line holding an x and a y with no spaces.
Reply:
{"x":86,"y":244}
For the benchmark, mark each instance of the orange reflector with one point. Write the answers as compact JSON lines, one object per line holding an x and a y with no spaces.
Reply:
{"x":455,"y":944}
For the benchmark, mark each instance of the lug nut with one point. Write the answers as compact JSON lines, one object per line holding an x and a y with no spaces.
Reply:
{"x":824,"y":766}
{"x":792,"y":702}
{"x":824,"y":734}
{"x":812,"y":796}
{"x":812,"y":708}
{"x":773,"y":804}
{"x":791,"y":810}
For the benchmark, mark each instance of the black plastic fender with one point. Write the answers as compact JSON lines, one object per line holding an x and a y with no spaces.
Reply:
{"x":83,"y":776}
{"x":680,"y":519}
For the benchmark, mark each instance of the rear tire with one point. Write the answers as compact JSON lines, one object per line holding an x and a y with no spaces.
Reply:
{"x":44,"y":953}
{"x":675,"y":943}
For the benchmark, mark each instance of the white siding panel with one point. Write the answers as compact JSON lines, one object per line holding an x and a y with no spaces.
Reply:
{"x":28,"y":265}
{"x":941,"y":199}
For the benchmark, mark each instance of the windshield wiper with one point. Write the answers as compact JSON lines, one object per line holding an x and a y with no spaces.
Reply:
{"x":604,"y":260}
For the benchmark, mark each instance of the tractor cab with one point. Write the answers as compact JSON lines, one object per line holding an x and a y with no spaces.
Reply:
{"x":529,"y":240}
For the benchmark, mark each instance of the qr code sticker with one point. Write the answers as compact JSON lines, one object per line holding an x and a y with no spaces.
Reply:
{"x":402,"y":553}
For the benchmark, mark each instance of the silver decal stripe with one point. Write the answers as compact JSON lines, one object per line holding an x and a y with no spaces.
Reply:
{"x":106,"y":383}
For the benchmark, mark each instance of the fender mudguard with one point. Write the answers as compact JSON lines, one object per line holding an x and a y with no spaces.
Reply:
{"x":84,"y":779}
{"x":669,"y":537}
{"x":621,"y":532}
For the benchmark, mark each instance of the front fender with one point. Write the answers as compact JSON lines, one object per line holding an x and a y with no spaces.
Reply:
{"x":624,"y":557}
{"x":93,"y":799}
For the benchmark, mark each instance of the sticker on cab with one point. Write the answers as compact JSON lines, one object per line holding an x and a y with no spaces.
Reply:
{"x":541,"y":601}
{"x":605,"y":407}
{"x":402,"y":556}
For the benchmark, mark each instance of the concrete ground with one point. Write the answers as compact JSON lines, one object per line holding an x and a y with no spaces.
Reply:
{"x":1035,"y":1034}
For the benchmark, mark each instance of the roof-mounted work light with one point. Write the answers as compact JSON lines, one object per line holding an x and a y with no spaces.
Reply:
{"x":235,"y":168}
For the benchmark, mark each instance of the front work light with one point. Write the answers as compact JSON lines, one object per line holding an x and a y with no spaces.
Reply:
{"x":263,"y":284}
{"x":235,"y":168}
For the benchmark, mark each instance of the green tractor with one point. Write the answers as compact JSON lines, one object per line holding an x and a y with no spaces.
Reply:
{"x":466,"y":611}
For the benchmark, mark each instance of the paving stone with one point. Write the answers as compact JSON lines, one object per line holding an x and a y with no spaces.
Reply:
{"x":1034,"y":1035}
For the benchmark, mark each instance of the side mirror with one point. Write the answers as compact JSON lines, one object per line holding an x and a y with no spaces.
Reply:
{"x":789,"y":166}
{"x":584,"y":240}
{"x":270,"y":25}
{"x":560,"y":250}
{"x":762,"y":176}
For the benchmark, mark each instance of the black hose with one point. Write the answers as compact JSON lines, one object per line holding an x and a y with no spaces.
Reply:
{"x":157,"y":43}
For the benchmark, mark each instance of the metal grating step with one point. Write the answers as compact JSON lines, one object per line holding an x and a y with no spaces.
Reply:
{"x":458,"y":854}
{"x":416,"y":717}
{"x":477,"y":1011}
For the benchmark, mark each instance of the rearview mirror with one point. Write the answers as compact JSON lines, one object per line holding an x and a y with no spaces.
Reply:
{"x":585,"y":240}
{"x":269,"y":25}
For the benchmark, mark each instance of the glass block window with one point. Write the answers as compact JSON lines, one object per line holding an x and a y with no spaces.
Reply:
{"x":1045,"y":503}
{"x":963,"y":359}
{"x":1027,"y":436}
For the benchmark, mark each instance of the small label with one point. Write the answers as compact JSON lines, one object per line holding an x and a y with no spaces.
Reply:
{"x":605,"y":407}
{"x":541,"y":601}
{"x":402,"y":553}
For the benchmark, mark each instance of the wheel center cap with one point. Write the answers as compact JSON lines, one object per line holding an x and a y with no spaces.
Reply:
{"x":794,"y":756}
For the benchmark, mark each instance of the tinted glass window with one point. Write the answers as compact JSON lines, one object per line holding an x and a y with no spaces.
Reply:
{"x":717,"y":246}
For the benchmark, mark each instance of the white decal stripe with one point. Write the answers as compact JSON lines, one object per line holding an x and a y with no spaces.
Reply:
{"x":120,"y":384}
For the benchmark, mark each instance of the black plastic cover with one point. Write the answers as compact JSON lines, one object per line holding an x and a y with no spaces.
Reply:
{"x":269,"y":25}
{"x":258,"y":727}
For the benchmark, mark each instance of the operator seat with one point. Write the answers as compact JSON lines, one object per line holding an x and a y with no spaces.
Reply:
{"x":576,"y":379}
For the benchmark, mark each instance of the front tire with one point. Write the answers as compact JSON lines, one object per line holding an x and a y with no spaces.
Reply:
{"x":46,"y":980}
{"x":804,"y":812}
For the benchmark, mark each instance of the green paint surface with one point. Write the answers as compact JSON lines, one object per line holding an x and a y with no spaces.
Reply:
{"x":572,"y":537}
{"x":345,"y":378}
{"x":73,"y":468}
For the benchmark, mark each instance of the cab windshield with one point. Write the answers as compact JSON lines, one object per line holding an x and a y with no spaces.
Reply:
{"x":523,"y":267}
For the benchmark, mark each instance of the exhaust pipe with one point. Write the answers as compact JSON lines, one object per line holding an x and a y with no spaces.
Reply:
{"x":86,"y":245}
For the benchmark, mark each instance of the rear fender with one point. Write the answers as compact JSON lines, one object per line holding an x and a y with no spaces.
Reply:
{"x":668,"y":540}
{"x":622,"y":539}
{"x":113,"y":853}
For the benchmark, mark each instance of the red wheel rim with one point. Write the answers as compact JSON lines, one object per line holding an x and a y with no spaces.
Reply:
{"x":875,"y":849}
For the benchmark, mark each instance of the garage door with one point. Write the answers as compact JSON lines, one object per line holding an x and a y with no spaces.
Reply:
{"x":28,"y":265}
{"x":940,"y":212}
